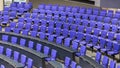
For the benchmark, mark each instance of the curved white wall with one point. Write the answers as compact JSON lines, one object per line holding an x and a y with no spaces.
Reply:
{"x":1,"y":5}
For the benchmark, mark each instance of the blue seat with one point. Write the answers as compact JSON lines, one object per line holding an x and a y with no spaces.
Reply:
{"x":43,"y":28}
{"x":54,"y":7}
{"x":73,"y":64}
{"x":29,"y":63}
{"x":23,"y":59}
{"x":67,"y":42}
{"x":43,"y":22}
{"x":20,"y":25}
{"x":107,"y":27}
{"x":35,"y":11}
{"x":35,"y":27}
{"x":59,"y":39}
{"x":38,"y":47}
{"x":5,"y":20}
{"x":89,"y":11}
{"x":5,"y":38}
{"x":98,"y":57}
{"x":73,"y":27}
{"x":75,"y":45}
{"x":82,"y":51}
{"x":111,"y":35}
{"x":108,"y":46}
{"x":99,"y":25}
{"x":80,"y":37}
{"x":22,"y":42}
{"x":77,"y":21}
{"x":12,"y":25}
{"x":110,"y":13}
{"x":41,"y":6}
{"x":51,"y":38}
{"x":112,"y":64}
{"x":107,"y":19}
{"x":58,"y":31}
{"x":67,"y":62}
{"x":53,"y":55}
{"x":5,"y":13}
{"x":96,"y":32}
{"x":82,"y":10}
{"x":42,"y":35}
{"x":33,"y":16}
{"x":58,"y":24}
{"x":65,"y":32}
{"x":85,"y":22}
{"x":95,"y":11}
{"x":92,"y":17}
{"x":115,"y":50}
{"x":28,"y":20}
{"x":1,"y":49}
{"x":70,"y":19}
{"x":8,"y":52}
{"x":94,"y":41}
{"x":36,"y":21}
{"x":20,"y":12}
{"x":63,"y":18}
{"x":61,"y":8}
{"x":66,"y":25}
{"x":16,"y":30}
{"x":103,"y":12}
{"x":74,"y":9}
{"x":46,"y":50}
{"x":28,"y":26}
{"x":103,"y":33}
{"x":69,"y":14}
{"x":30,"y":44}
{"x":49,"y":17}
{"x":105,"y":61}
{"x":99,"y":18}
{"x":25,"y":32}
{"x":13,"y":40}
{"x":56,"y":13}
{"x":72,"y":34}
{"x":62,"y":13}
{"x":114,"y":28}
{"x":27,"y":7}
{"x":12,"y":15}
{"x":55,"y":17}
{"x":88,"y":38}
{"x":117,"y":15}
{"x":118,"y":37}
{"x":50,"y":30}
{"x":81,"y":28}
{"x":85,"y":16}
{"x":114,"y":21}
{"x":51,"y":23}
{"x":8,"y":29}
{"x":33,"y":33}
{"x":88,"y":30}
{"x":68,"y":9}
{"x":92,"y":24}
{"x":20,"y":19}
{"x":16,"y":55}
{"x":41,"y":16}
{"x":118,"y":66}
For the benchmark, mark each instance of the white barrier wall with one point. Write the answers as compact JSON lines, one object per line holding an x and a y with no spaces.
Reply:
{"x":1,"y":5}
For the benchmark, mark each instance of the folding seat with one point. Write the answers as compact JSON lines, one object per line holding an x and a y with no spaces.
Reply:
{"x":105,"y":61}
{"x":5,"y":20}
{"x":77,"y":15}
{"x":117,"y":15}
{"x":33,"y":16}
{"x":61,"y":8}
{"x":81,"y":28}
{"x":63,"y":18}
{"x":35,"y":27}
{"x":94,"y":41}
{"x":92,"y":17}
{"x":43,"y":22}
{"x":67,"y":42}
{"x":12,"y":25}
{"x":16,"y":30}
{"x":36,"y":21}
{"x":35,"y":11}
{"x":41,"y":16}
{"x":53,"y":55}
{"x":118,"y":37}
{"x":51,"y":23}
{"x":28,"y":20}
{"x":65,"y":32}
{"x":114,"y":28}
{"x":13,"y":40}
{"x":19,"y":5}
{"x":88,"y":38}
{"x":23,"y":59}
{"x":99,"y":25}
{"x":72,"y":34}
{"x":95,"y":11}
{"x":103,"y":33}
{"x":31,"y":44}
{"x":108,"y":47}
{"x":2,"y":66}
{"x":56,"y":13}
{"x":20,"y":25}
{"x":96,"y":32}
{"x":51,"y":38}
{"x":50,"y":30}
{"x":29,"y":63}
{"x":75,"y":45}
{"x":82,"y":51}
{"x":22,"y":42}
{"x":5,"y":13}
{"x":8,"y":52}
{"x":42,"y":35}
{"x":84,"y":16}
{"x":77,"y":21}
{"x":74,"y":9}
{"x":110,"y":13}
{"x":66,"y":25}
{"x":38,"y":47}
{"x":28,"y":26}
{"x":42,"y":11}
{"x":62,"y":13}
{"x":98,"y":57}
{"x":111,"y":35}
{"x":59,"y":40}
{"x":16,"y":55}
{"x":54,"y":8}
{"x":46,"y":50}
{"x":80,"y":37}
{"x":55,"y":17}
{"x":114,"y":21}
{"x":7,"y":29}
{"x":5,"y":38}
{"x":6,"y":8}
{"x":13,"y":9}
{"x":89,"y":11}
{"x":67,"y":62}
{"x":43,"y":28}
{"x":112,"y":64}
{"x":115,"y":50}
{"x":102,"y":43}
{"x":33,"y":33}
{"x":49,"y":17}
{"x":41,"y":6}
{"x":107,"y":19}
{"x":92,"y":24}
{"x":68,"y":9}
{"x":88,"y":30}
{"x":85,"y":22}
{"x":20,"y":19}
{"x":48,"y":7}
{"x":99,"y":18}
{"x":27,"y":15}
{"x":82,"y":10}
{"x":20,"y":11}
{"x":73,"y":27}
{"x":58,"y":24}
{"x":27,"y":7}
{"x":73,"y":64}
{"x":1,"y":49}
{"x":103,"y":12}
{"x":13,"y":5}
{"x":58,"y":31}
{"x":107,"y":26}
{"x":12,"y":15}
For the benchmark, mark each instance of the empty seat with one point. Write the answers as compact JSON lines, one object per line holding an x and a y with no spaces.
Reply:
{"x":66,"y":25}
{"x":4,"y":37}
{"x":85,"y":22}
{"x":53,"y":55}
{"x":96,"y":32}
{"x":67,"y":42}
{"x":13,"y":40}
{"x":67,"y":62}
{"x":88,"y":30}
{"x":59,"y":39}
{"x":112,"y":64}
{"x":92,"y":24}
{"x":16,"y":55}
{"x":82,"y":51}
{"x":16,"y":30}
{"x":105,"y":61}
{"x":98,"y":57}
{"x":46,"y":50}
{"x":25,"y":32}
{"x":107,"y":27}
{"x":111,"y":35}
{"x":33,"y":33}
{"x":114,"y":28}
{"x":23,"y":59}
{"x":22,"y":42}
{"x":13,"y":24}
{"x":42,"y":35}
{"x":107,"y":19}
{"x":100,"y":18}
{"x":99,"y":25}
{"x":65,"y":32}
{"x":51,"y":38}
{"x":2,"y":66}
{"x":103,"y":33}
{"x":35,"y":27}
{"x":58,"y":24}
{"x":1,"y":49}
{"x":58,"y":31}
{"x":38,"y":47}
{"x":72,"y":34}
{"x":103,"y":12}
{"x":92,"y":17}
{"x":8,"y":52}
{"x":73,"y":64}
{"x":31,"y":44}
{"x":81,"y":28}
{"x":29,"y":63}
{"x":114,"y":21}
{"x":75,"y":45}
{"x":42,"y":28}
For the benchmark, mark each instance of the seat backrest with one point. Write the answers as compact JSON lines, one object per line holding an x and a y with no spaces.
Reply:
{"x":16,"y":55}
{"x":14,"y":40}
{"x":22,"y":42}
{"x":105,"y":61}
{"x":29,"y":63}
{"x":23,"y":59}
{"x":53,"y":54}
{"x":73,"y":64}
{"x":83,"y":50}
{"x":74,"y":45}
{"x":1,"y":49}
{"x":31,"y":44}
{"x":98,"y":57}
{"x":4,"y":37}
{"x":8,"y":52}
{"x":112,"y":64}
{"x":67,"y":61}
{"x":38,"y":47}
{"x":46,"y":50}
